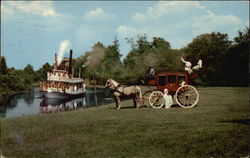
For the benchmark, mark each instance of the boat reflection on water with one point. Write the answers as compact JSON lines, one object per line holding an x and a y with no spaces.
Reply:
{"x":90,"y":99}
{"x":61,"y":105}
{"x":34,"y":102}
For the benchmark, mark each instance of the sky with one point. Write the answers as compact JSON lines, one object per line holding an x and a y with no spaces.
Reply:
{"x":33,"y":31}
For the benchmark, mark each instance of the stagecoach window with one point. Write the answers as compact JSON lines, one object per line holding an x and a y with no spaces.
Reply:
{"x":171,"y":79}
{"x":162,"y":80}
{"x":181,"y":79}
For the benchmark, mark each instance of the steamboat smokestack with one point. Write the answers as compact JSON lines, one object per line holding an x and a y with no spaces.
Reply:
{"x":56,"y":63}
{"x":70,"y":62}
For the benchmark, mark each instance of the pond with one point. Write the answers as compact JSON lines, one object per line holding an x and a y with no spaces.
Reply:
{"x":33,"y":103}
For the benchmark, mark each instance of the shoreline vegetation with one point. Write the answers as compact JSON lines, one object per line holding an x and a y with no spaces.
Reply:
{"x":217,"y":127}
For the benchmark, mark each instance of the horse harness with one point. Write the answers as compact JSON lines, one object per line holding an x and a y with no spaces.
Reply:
{"x":121,"y":92}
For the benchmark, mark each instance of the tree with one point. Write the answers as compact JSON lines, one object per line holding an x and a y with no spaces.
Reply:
{"x":98,"y":45}
{"x":142,"y":44}
{"x":3,"y":66}
{"x":237,"y":61}
{"x":212,"y":49}
{"x":139,"y":50}
{"x":131,"y":42}
{"x":93,"y":58}
{"x":159,"y":42}
{"x":111,"y":62}
{"x":29,"y":69}
{"x":144,"y":53}
{"x":112,"y":55}
{"x":90,"y":61}
{"x":169,"y":60}
{"x":243,"y":37}
{"x":29,"y":73}
{"x":41,"y":74}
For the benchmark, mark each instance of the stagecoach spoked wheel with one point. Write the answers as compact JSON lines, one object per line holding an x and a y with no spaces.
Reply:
{"x":145,"y":97}
{"x":187,"y":96}
{"x":156,"y":99}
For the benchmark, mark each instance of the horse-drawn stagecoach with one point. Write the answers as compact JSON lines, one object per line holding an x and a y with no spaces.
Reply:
{"x":178,"y":86}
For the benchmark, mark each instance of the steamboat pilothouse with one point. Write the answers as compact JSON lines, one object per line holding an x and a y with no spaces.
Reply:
{"x":60,"y":81}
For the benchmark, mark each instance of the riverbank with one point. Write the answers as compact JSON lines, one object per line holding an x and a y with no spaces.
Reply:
{"x":218,"y":127}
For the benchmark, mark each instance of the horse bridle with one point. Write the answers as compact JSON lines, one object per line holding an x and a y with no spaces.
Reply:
{"x":109,"y":84}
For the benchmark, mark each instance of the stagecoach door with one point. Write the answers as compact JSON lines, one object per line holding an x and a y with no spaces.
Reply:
{"x":171,"y":79}
{"x":161,"y":80}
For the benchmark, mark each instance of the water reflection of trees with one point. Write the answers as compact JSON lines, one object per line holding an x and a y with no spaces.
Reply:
{"x":11,"y":101}
{"x":101,"y":94}
{"x":29,"y":98}
{"x":7,"y":102}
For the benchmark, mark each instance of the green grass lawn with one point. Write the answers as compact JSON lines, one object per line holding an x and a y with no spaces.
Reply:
{"x":217,"y":127}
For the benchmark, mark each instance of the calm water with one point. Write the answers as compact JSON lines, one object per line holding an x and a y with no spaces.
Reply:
{"x":33,"y":103}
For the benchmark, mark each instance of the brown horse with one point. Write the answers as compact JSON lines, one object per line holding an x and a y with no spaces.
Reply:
{"x":118,"y":91}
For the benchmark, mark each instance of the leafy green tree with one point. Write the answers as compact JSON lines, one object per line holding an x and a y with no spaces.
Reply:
{"x":159,"y":42}
{"x":243,"y":37}
{"x":111,"y":63}
{"x":131,"y":42}
{"x":237,"y":60}
{"x":15,"y":81}
{"x":29,"y":69}
{"x":3,"y":66}
{"x":142,"y":44}
{"x":169,"y":60}
{"x":29,"y":73}
{"x":112,"y":54}
{"x":41,"y":74}
{"x":144,"y":53}
{"x":139,"y":49}
{"x":212,"y":49}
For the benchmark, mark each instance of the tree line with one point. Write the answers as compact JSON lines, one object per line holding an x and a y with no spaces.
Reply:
{"x":13,"y":80}
{"x":225,"y":62}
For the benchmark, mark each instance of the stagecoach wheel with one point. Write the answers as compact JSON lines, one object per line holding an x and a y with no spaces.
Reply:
{"x":156,"y":99}
{"x":187,"y":96}
{"x":145,"y":97}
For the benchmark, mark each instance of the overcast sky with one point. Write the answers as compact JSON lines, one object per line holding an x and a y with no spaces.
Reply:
{"x":31,"y":31}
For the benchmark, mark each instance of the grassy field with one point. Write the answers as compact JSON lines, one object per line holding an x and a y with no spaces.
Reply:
{"x":217,"y":127}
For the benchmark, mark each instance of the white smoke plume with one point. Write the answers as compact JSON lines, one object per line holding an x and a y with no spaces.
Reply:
{"x":64,"y":46}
